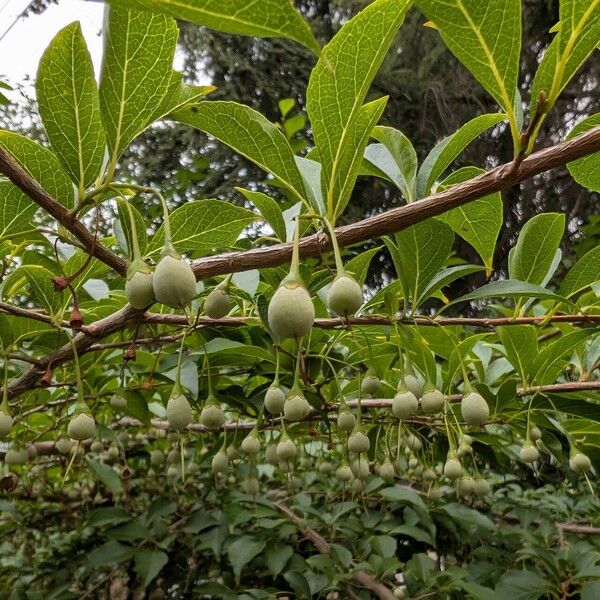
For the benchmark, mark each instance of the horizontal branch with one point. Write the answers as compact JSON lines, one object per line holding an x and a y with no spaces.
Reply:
{"x":29,"y":186}
{"x":389,"y":222}
{"x":397,"y":219}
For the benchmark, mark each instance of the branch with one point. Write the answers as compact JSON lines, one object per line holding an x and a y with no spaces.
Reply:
{"x":322,"y":545}
{"x":397,"y":219}
{"x":29,"y":186}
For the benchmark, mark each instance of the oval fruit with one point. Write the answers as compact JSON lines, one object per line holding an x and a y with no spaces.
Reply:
{"x":291,"y":313}
{"x":274,"y":399}
{"x":174,"y":282}
{"x":404,"y":405}
{"x":179,"y":412}
{"x":358,"y":442}
{"x":296,"y":407}
{"x":345,"y":296}
{"x":474,"y":409}
{"x":433,"y":402}
{"x":82,"y":427}
{"x":217,"y":304}
{"x":139,"y":290}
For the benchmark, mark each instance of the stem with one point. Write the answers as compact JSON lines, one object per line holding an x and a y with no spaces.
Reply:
{"x":178,"y":374}
{"x":339,"y":265}
{"x":166,"y":219}
{"x":4,"y":406}
{"x":137,"y":255}
{"x":80,"y":398}
{"x":294,"y":274}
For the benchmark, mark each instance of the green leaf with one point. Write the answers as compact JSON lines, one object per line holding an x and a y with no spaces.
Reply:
{"x":203,"y":226}
{"x":414,"y":532}
{"x":69,"y":105}
{"x":105,"y":474}
{"x":584,"y":273}
{"x":42,"y":288}
{"x":422,"y":251}
{"x":107,"y":515}
{"x":586,"y":171}
{"x":446,"y":277}
{"x":42,"y":165}
{"x":16,"y":216}
{"x":359,"y":265}
{"x":129,"y":532}
{"x":446,"y":151}
{"x":577,"y":37}
{"x":250,"y":134}
{"x":395,"y":156}
{"x":336,"y":91}
{"x":267,"y":18}
{"x":522,"y":585}
{"x":123,"y":230}
{"x":511,"y":288}
{"x":486,"y":38}
{"x":276,"y":557}
{"x":402,"y":495}
{"x":137,"y":407}
{"x":111,"y":553}
{"x":341,"y":554}
{"x":478,"y":222}
{"x":520,"y":346}
{"x":534,"y":254}
{"x":469,"y":519}
{"x":137,"y":83}
{"x":590,"y":590}
{"x":269,"y":209}
{"x":586,"y":432}
{"x":148,"y":564}
{"x":242,"y":551}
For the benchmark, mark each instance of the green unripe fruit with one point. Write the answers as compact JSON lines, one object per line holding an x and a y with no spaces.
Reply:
{"x":360,"y":468}
{"x":274,"y":399}
{"x":429,"y":475}
{"x":412,"y":384}
{"x":217,"y":304}
{"x":345,"y":296}
{"x":325,"y":468}
{"x":118,"y":401}
{"x":474,"y":409}
{"x":286,"y":450}
{"x":113,"y":452}
{"x":399,"y":593}
{"x":481,"y":487}
{"x":433,"y":402}
{"x":63,"y":445}
{"x":271,"y":454}
{"x":463,"y":450}
{"x":139,"y":289}
{"x":346,"y":421}
{"x":434,"y":493}
{"x":232,"y":453}
{"x":212,"y":416}
{"x":580,"y":462}
{"x":251,"y":486}
{"x":404,"y":405}
{"x":296,"y":407}
{"x":465,"y":486}
{"x":453,"y":469}
{"x":250,"y":444}
{"x":535,"y":433}
{"x":16,"y":456}
{"x":387,"y":472}
{"x":31,"y":451}
{"x":413,"y":442}
{"x":174,"y":281}
{"x":356,"y":486}
{"x":358,"y":442}
{"x":343,"y":473}
{"x":157,"y":458}
{"x":413,"y":462}
{"x":97,"y":446}
{"x":81,"y":427}
{"x":173,"y":457}
{"x":370,"y":384}
{"x":122,"y":437}
{"x":172,"y":472}
{"x":291,"y":313}
{"x":179,"y":412}
{"x":306,"y":462}
{"x":219,"y":463}
{"x":6,"y":423}
{"x":528,"y":453}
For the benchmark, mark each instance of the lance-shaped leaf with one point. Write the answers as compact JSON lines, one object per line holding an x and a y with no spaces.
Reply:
{"x":69,"y":105}
{"x":269,"y":209}
{"x":267,"y":18}
{"x":250,"y":134}
{"x":584,"y":273}
{"x":478,"y":222}
{"x":137,"y":82}
{"x":586,"y":171}
{"x":203,"y":226}
{"x":578,"y":36}
{"x":42,"y":165}
{"x":336,"y":91}
{"x":445,"y":152}
{"x":534,"y":255}
{"x":486,"y":38}
{"x":396,"y":158}
{"x":16,"y":211}
{"x":520,"y":347}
